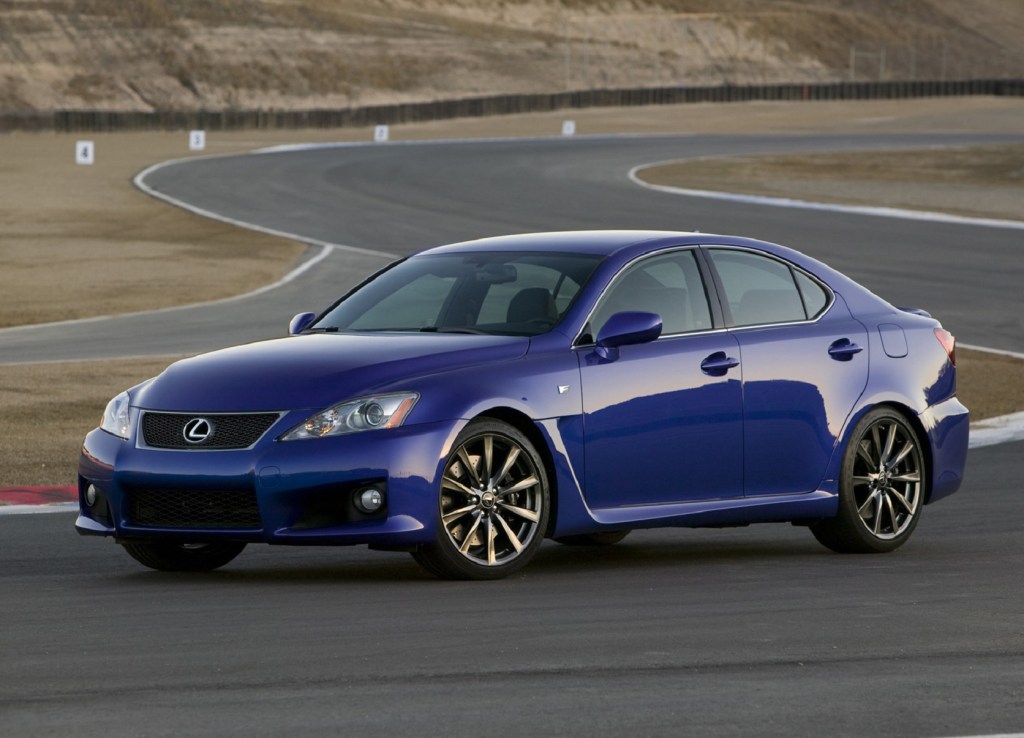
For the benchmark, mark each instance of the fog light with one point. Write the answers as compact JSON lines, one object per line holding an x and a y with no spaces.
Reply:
{"x":90,"y":495}
{"x":369,"y":500}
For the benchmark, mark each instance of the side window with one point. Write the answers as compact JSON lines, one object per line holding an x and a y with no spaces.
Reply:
{"x":669,"y":285}
{"x":815,"y":296}
{"x":759,"y":289}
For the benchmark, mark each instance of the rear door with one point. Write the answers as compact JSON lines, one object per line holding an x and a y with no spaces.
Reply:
{"x":805,"y":364}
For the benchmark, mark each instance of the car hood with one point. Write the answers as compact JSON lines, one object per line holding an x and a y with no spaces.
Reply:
{"x":315,"y":370}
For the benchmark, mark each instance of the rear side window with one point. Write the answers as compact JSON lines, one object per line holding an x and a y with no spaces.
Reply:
{"x":760,"y":290}
{"x":815,"y":296}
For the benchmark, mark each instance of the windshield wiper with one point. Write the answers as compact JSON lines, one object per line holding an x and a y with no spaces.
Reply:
{"x":453,"y":329}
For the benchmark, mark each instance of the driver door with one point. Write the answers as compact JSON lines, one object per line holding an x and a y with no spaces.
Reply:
{"x":663,"y":421}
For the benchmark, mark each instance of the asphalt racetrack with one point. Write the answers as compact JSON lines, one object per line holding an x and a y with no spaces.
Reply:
{"x":756,"y":631}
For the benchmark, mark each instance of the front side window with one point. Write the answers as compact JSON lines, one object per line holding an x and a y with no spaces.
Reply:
{"x":668,"y":284}
{"x":760,"y":290}
{"x":487,"y":292}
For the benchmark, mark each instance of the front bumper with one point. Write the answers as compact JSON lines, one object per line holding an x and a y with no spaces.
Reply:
{"x":303,"y":490}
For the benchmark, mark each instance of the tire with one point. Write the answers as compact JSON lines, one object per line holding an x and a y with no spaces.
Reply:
{"x":493,"y":505}
{"x":882,"y":487}
{"x":184,"y":556}
{"x":604,"y":538}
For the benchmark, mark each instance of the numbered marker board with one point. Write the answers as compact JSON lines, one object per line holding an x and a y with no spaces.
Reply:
{"x":569,"y":128}
{"x":196,"y":140}
{"x":85,"y":152}
{"x":380,"y":134}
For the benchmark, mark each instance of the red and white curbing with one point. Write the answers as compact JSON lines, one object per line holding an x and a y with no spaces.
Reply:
{"x":21,"y":500}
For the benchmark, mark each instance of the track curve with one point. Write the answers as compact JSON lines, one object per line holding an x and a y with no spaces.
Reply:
{"x":398,"y":198}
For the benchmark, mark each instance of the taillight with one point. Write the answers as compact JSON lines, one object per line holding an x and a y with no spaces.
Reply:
{"x":948,"y":342}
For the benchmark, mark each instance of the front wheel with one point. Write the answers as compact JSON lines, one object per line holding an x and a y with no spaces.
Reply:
{"x":882,"y":487}
{"x":493,"y":505}
{"x":184,"y":556}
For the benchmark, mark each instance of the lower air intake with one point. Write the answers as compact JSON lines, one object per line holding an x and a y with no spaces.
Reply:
{"x":217,"y":509}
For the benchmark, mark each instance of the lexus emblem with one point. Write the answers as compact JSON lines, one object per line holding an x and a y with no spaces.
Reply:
{"x":197,"y":430}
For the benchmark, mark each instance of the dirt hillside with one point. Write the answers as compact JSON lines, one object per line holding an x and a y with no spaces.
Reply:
{"x":194,"y":54}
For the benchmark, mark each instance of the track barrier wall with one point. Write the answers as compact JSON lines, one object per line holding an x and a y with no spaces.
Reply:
{"x":474,"y":107}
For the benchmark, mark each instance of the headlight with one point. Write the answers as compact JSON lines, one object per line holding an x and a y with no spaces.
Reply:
{"x":115,"y":417}
{"x":367,"y":413}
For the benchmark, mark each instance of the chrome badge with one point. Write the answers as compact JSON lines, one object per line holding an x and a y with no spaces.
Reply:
{"x":197,"y":430}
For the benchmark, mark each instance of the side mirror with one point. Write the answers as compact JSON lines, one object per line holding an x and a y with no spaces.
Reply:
{"x":300,"y":322}
{"x":626,"y":329}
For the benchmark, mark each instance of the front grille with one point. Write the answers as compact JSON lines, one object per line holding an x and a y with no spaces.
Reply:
{"x":226,"y":509}
{"x":168,"y":430}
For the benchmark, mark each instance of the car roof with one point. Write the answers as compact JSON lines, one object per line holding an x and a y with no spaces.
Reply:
{"x":602,"y":243}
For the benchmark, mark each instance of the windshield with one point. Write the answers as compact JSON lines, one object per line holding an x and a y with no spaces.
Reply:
{"x":498,"y":293}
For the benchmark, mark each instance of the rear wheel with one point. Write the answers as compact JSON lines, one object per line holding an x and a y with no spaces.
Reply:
{"x":881,"y":490}
{"x":493,"y":505}
{"x":184,"y":556}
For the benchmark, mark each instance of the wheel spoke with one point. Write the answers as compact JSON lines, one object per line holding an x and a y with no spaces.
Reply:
{"x":510,"y":460}
{"x":464,"y":548}
{"x":521,"y":512}
{"x":456,"y":486}
{"x":470,"y":466}
{"x":519,"y":486}
{"x":890,"y":442}
{"x":892,"y":514}
{"x":859,"y":481}
{"x":456,"y":514}
{"x":876,"y":436}
{"x":865,"y":456}
{"x":902,"y":500}
{"x":488,"y":456}
{"x":903,"y":453}
{"x":512,"y":537}
{"x":491,"y":535}
{"x":878,"y":514}
{"x":908,"y":478}
{"x":863,"y":509}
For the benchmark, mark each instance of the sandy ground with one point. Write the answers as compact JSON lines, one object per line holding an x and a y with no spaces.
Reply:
{"x":980,"y":181}
{"x":77,"y":241}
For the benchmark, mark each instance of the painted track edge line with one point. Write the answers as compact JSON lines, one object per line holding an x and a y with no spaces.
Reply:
{"x":38,"y":509}
{"x":785,"y":202}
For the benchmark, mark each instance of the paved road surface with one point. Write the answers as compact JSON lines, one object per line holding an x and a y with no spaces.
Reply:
{"x":756,"y":631}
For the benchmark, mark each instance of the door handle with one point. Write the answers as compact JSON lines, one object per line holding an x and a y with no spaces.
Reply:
{"x":718,"y":364}
{"x":843,"y":349}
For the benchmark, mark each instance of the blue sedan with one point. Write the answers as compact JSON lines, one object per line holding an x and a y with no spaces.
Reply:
{"x":468,"y":402}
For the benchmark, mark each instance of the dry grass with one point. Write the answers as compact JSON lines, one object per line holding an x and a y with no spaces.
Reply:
{"x":48,"y":408}
{"x":77,"y":241}
{"x":989,"y":384}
